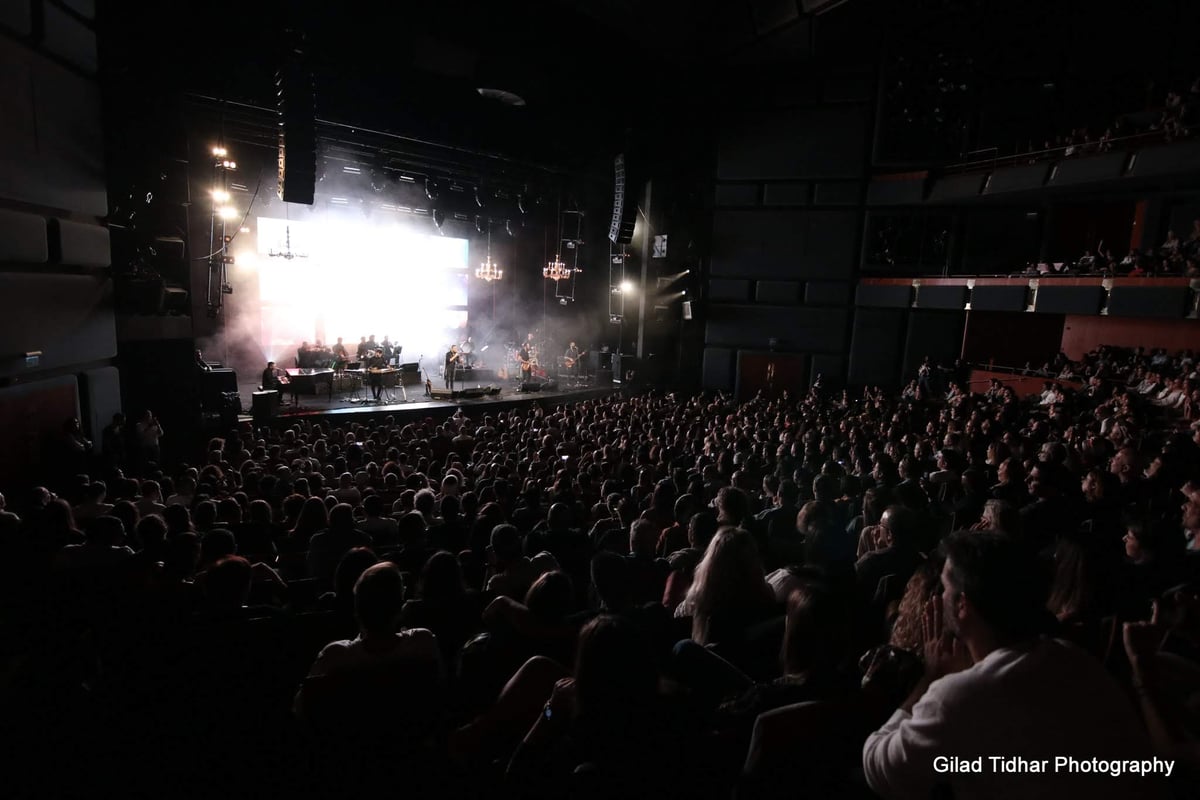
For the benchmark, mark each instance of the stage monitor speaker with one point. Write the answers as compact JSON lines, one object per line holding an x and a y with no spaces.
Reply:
{"x":296,"y":105}
{"x":264,"y":405}
{"x":215,"y":384}
{"x":530,"y":386}
{"x":624,"y":217}
{"x":604,"y":376}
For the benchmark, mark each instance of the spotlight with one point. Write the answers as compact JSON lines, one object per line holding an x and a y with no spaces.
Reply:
{"x":479,"y":223}
{"x":245,"y":229}
{"x":439,"y":217}
{"x":431,"y":189}
{"x":626,"y":286}
{"x":219,"y":152}
{"x":220,"y":196}
{"x":227,"y":212}
{"x":522,"y":204}
{"x":479,"y":196}
{"x":509,"y":228}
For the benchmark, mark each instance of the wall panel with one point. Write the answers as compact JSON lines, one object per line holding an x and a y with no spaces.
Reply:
{"x":807,"y":329}
{"x":1082,"y":334}
{"x":67,"y":317}
{"x":875,"y":347}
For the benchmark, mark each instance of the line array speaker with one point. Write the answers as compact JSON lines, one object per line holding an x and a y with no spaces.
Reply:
{"x":296,"y":105}
{"x":624,"y":217}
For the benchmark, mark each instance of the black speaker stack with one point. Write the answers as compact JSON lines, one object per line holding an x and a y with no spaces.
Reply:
{"x":624,"y":217}
{"x":296,"y":104}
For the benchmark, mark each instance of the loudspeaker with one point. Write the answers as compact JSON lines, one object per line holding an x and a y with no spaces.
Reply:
{"x":214,"y":385}
{"x":264,"y":405}
{"x":624,"y":217}
{"x":530,"y":386}
{"x":604,"y":376}
{"x":296,"y":105}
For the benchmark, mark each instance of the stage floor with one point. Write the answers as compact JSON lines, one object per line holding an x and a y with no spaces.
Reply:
{"x":345,"y":406}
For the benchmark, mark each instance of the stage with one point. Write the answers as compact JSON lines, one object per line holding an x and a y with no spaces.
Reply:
{"x":474,"y":397}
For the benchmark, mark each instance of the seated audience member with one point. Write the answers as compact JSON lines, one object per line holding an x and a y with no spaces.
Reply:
{"x":511,"y":573}
{"x":995,"y":686}
{"x":610,"y":716}
{"x":326,"y":548}
{"x":444,"y":605}
{"x":381,"y":645}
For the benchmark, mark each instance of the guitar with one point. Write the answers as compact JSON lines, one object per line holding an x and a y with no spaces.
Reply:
{"x":569,"y":363}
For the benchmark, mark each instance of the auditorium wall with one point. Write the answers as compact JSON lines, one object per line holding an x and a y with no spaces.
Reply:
{"x":1083,"y":333}
{"x":57,"y":324}
{"x":787,"y":221}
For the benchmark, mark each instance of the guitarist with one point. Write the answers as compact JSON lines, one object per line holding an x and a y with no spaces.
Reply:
{"x":572,"y":359}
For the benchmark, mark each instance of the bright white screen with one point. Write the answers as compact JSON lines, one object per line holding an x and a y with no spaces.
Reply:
{"x":354,"y":279}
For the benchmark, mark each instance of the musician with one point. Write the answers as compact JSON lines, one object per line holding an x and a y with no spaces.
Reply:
{"x":375,"y":363}
{"x":371,"y":343}
{"x":525,"y":357}
{"x":571,"y":359}
{"x":339,"y":350}
{"x":302,"y":355}
{"x":387,"y":349}
{"x":453,"y":357}
{"x":270,"y":379}
{"x":363,"y":349}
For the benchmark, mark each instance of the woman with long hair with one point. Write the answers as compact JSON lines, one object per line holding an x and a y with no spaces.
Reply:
{"x":729,"y":591}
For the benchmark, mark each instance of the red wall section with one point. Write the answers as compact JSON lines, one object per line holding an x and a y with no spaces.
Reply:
{"x":1084,"y":333}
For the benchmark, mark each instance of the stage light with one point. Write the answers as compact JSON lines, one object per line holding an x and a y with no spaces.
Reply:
{"x":438,"y":218}
{"x":509,"y":228}
{"x":227,"y":212}
{"x":479,"y":196}
{"x":220,"y":196}
{"x":219,"y":152}
{"x":479,"y":223}
{"x":431,"y":189}
{"x":227,"y":164}
{"x":626,"y":286}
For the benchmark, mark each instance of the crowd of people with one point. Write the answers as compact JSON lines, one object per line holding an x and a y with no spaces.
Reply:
{"x":1172,"y":118}
{"x":646,"y":595}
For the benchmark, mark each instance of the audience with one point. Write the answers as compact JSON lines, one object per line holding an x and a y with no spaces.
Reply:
{"x":639,"y":617}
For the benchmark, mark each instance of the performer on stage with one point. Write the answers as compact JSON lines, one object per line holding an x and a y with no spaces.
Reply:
{"x":374,"y":364}
{"x":571,"y":360}
{"x":387,"y":350}
{"x":525,"y":357}
{"x":340,"y":356}
{"x":453,"y":357}
{"x":363,"y":349}
{"x":270,"y":378}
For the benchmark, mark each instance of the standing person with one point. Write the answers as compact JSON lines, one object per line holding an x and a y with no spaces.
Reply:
{"x":452,"y":360}
{"x":525,"y":358}
{"x":571,"y":360}
{"x":374,"y":364}
{"x":149,"y":435}
{"x":112,"y":442}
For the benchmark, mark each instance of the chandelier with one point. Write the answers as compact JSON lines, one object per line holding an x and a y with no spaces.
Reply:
{"x":489,"y":270}
{"x":556,"y":270}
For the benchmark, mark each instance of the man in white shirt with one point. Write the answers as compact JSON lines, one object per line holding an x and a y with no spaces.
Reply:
{"x":1001,"y":711}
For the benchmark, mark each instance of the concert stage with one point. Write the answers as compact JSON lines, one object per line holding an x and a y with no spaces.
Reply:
{"x":473,"y":398}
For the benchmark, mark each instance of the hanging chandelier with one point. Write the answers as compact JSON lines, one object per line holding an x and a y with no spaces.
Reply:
{"x":556,"y":270}
{"x":489,"y":271}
